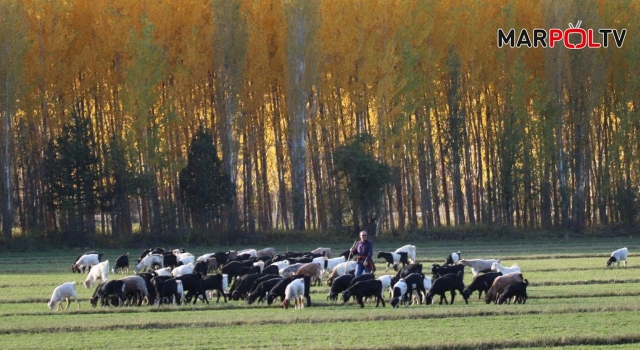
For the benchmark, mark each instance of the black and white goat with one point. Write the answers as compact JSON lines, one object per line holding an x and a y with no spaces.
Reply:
{"x":393,"y":259}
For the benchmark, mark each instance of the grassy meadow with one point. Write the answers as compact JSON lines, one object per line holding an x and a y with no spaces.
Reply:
{"x":574,"y":301}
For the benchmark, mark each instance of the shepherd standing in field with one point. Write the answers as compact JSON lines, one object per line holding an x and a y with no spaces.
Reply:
{"x":363,"y":251}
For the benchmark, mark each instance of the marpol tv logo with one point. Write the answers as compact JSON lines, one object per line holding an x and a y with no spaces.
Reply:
{"x":572,"y":37}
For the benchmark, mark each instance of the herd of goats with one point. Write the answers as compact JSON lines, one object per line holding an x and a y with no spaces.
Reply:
{"x":176,"y":276}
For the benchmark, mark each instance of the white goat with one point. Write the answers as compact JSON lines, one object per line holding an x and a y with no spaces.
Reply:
{"x":617,"y":256}
{"x":148,"y":262}
{"x":332,"y":263}
{"x":165,"y":271}
{"x":386,"y":283}
{"x":252,"y":252}
{"x":182,"y":270}
{"x":410,"y":250}
{"x":497,"y":267}
{"x":185,"y":258}
{"x":87,"y":260}
{"x":478,"y":265}
{"x":65,"y":291}
{"x":427,"y":285}
{"x":281,"y":264}
{"x":294,"y":291}
{"x":98,"y":272}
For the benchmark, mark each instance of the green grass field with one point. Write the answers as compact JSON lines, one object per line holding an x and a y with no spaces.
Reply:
{"x":574,"y":301}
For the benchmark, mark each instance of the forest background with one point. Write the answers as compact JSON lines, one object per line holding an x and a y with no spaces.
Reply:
{"x":214,"y":121}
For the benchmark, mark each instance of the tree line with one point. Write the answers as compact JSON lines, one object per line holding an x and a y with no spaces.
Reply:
{"x":244,"y":116}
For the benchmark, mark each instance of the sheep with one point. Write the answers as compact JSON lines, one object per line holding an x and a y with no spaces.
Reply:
{"x":313,"y":270}
{"x":453,"y":258}
{"x":98,"y":272}
{"x":497,"y":267}
{"x":339,"y":285}
{"x":268,"y":252}
{"x":369,"y":288}
{"x":148,"y":262}
{"x":122,"y":263}
{"x":137,"y":286}
{"x":481,"y":283}
{"x":478,"y":265}
{"x":440,"y":286}
{"x":439,"y":271}
{"x":410,"y":250}
{"x":294,"y":291}
{"x":326,"y":252}
{"x":393,"y":259}
{"x":500,"y":284}
{"x":617,"y":256}
{"x":86,"y":262}
{"x":340,"y":270}
{"x":218,"y":283}
{"x":65,"y":291}
{"x":106,"y":290}
{"x":517,"y":291}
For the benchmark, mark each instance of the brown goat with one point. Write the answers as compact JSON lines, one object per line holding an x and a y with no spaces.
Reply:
{"x":500,"y":284}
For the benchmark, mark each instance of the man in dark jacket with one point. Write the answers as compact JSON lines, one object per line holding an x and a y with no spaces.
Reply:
{"x":363,"y":251}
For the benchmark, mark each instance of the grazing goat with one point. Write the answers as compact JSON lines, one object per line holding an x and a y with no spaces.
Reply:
{"x":410,"y":250}
{"x":339,"y":285}
{"x":407,"y":270}
{"x":500,"y":284}
{"x":122,"y":263}
{"x":330,"y":264}
{"x":313,"y":270}
{"x":269,"y":252}
{"x":399,"y":292}
{"x":290,"y":270}
{"x":481,"y":283}
{"x":106,"y":290}
{"x":82,"y":268}
{"x":148,"y":262}
{"x":85,"y":262}
{"x":326,"y":252}
{"x":192,"y":286}
{"x":340,"y":270}
{"x":393,"y":259}
{"x":387,"y":283}
{"x":182,"y":270}
{"x":98,"y":272}
{"x":618,"y":256}
{"x":65,"y":291}
{"x":262,"y":289}
{"x":279,"y":289}
{"x":478,"y":265}
{"x":453,"y":258}
{"x":294,"y":291}
{"x":440,"y":286}
{"x":497,"y":267}
{"x":168,"y":289}
{"x":362,"y":289}
{"x":215,"y":282}
{"x":439,"y":271}
{"x":135,"y":286}
{"x":516,"y":291}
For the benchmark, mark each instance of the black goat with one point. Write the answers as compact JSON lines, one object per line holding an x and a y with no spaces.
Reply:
{"x":369,"y":288}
